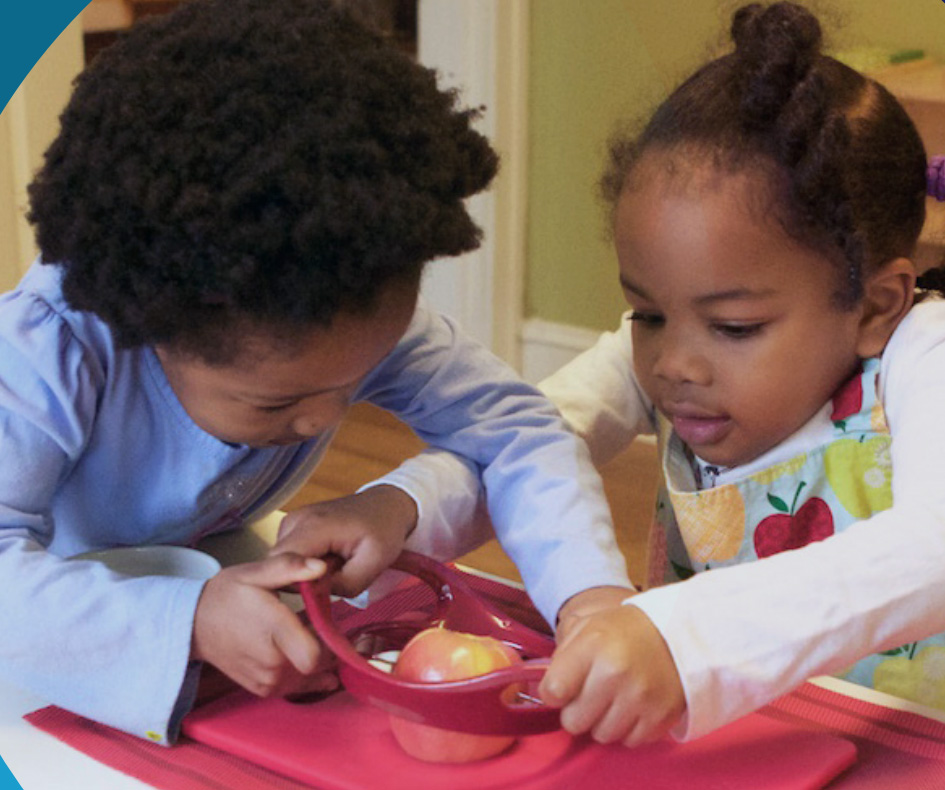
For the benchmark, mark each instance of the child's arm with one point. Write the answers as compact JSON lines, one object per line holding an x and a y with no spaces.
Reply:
{"x":558,"y":531}
{"x":117,"y":650}
{"x":542,"y":493}
{"x":543,"y":496}
{"x":112,"y":649}
{"x":741,"y":636}
{"x":455,"y":510}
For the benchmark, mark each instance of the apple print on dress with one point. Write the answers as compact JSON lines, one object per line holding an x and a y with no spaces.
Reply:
{"x":847,"y":401}
{"x":790,"y":528}
{"x":859,"y":471}
{"x":712,"y":522}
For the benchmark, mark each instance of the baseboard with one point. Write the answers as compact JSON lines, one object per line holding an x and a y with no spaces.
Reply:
{"x":547,"y":345}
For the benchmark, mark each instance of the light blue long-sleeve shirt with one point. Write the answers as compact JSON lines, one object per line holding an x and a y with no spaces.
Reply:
{"x":96,"y":451}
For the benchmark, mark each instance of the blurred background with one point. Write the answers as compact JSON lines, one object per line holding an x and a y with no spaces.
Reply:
{"x":557,"y":77}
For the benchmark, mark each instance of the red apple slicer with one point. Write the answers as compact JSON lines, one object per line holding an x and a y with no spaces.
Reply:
{"x":475,"y":705}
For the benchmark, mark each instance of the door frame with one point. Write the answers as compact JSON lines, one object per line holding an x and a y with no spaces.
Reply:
{"x":480,"y":47}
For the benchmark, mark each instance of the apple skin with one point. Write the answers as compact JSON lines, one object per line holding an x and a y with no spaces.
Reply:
{"x":435,"y":655}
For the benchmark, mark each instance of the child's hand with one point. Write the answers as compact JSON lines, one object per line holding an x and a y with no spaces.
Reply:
{"x":613,"y":676}
{"x":367,"y":529}
{"x":587,"y":603}
{"x":245,"y":631}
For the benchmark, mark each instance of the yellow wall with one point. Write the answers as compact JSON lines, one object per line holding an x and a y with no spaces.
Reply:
{"x":596,"y":63}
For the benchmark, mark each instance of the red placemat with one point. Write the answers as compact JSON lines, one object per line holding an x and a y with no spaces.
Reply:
{"x":895,"y":749}
{"x":340,"y":743}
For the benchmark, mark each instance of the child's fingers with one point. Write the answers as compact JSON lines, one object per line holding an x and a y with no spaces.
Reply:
{"x":609,"y":708}
{"x":646,"y":732}
{"x":319,"y":683}
{"x":616,"y":723}
{"x":564,"y":679}
{"x":595,"y":699}
{"x":296,"y":643}
{"x":360,"y":569}
{"x":279,"y":570}
{"x":294,"y":539}
{"x":317,"y":530}
{"x":614,"y":711}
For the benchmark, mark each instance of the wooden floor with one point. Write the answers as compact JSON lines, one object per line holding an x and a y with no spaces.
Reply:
{"x":371,"y":442}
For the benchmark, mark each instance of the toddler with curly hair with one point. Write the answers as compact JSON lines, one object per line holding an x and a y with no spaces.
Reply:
{"x":233,"y":224}
{"x":765,"y":221}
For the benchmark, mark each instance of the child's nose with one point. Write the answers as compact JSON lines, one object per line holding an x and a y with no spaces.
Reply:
{"x":679,"y":361}
{"x":325,"y":415}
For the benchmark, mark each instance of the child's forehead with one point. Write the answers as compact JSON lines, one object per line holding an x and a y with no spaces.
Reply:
{"x":751,"y":192}
{"x":700,"y":169}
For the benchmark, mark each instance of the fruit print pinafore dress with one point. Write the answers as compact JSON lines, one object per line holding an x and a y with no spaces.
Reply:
{"x":845,"y":479}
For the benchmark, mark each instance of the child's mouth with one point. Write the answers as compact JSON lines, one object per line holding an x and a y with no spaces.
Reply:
{"x":696,"y":431}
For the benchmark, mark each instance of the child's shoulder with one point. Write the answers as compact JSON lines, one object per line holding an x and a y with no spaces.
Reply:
{"x":927,"y":316}
{"x":35,"y":316}
{"x":42,"y":281}
{"x":921,"y":332}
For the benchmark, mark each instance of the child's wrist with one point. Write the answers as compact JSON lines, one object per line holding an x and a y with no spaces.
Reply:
{"x":398,"y":506}
{"x":594,"y":599}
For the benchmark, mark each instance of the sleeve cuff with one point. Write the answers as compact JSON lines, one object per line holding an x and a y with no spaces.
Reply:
{"x":185,"y":700}
{"x":659,"y":605}
{"x":446,"y":492}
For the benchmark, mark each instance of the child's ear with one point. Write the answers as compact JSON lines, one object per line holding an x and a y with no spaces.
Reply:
{"x":888,"y":294}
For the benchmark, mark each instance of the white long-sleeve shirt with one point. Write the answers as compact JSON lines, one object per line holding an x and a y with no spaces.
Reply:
{"x":744,"y":635}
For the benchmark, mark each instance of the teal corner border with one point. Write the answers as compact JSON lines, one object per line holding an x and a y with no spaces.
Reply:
{"x":7,"y":781}
{"x":26,"y":31}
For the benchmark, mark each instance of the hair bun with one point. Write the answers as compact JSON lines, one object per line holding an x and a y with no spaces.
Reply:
{"x":777,"y":45}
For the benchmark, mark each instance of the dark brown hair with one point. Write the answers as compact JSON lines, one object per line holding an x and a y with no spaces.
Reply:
{"x":250,"y":161}
{"x":849,"y":166}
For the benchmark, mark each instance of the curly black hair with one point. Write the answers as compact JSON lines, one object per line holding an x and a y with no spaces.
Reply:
{"x":845,"y":164}
{"x":262,"y":161}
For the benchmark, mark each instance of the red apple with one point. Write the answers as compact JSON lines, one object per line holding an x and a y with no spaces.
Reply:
{"x":435,"y":655}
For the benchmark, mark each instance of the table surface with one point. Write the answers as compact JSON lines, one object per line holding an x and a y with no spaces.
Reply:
{"x":39,"y":762}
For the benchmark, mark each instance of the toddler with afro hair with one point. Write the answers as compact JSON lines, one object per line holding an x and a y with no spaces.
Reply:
{"x":249,"y":159}
{"x":233,"y":223}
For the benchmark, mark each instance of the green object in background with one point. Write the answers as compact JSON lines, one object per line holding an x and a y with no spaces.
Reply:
{"x":869,"y":59}
{"x":907,"y":55}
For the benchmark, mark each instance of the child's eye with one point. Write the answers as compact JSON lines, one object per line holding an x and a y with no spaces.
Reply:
{"x":648,"y":320}
{"x":739,"y":331}
{"x":272,"y":409}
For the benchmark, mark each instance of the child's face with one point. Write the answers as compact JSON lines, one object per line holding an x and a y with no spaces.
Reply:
{"x":736,"y":339}
{"x":277,"y":396}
